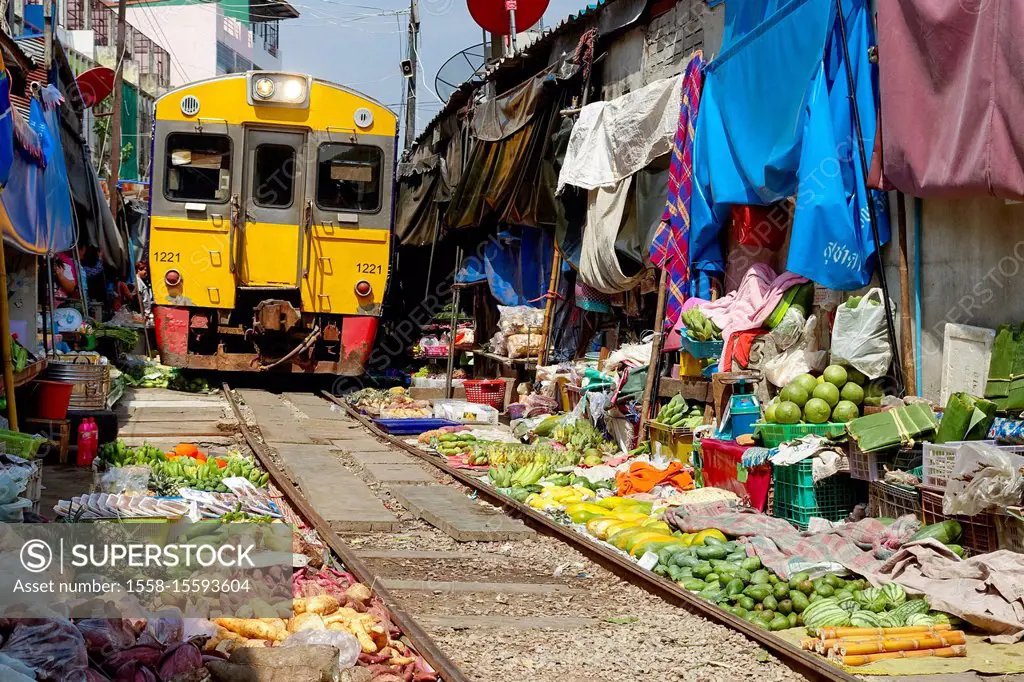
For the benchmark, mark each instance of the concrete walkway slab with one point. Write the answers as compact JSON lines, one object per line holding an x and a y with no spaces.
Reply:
{"x":174,"y":414}
{"x":282,"y":432}
{"x":134,"y":429}
{"x":337,"y":494}
{"x":365,"y":458}
{"x":453,"y":513}
{"x":363,"y":445}
{"x":398,"y":473}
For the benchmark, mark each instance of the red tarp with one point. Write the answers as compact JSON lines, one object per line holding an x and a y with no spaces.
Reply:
{"x":952,"y":94}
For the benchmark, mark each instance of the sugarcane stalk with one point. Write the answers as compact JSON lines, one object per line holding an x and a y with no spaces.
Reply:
{"x":823,"y":645}
{"x":958,"y":651}
{"x":838,"y":632}
{"x":885,"y":645}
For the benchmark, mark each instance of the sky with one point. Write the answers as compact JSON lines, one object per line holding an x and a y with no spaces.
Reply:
{"x":351,"y":43}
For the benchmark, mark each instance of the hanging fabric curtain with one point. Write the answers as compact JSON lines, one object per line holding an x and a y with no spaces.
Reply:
{"x":36,"y":203}
{"x":952,"y":88}
{"x":416,"y":214}
{"x":6,"y":125}
{"x":503,"y":180}
{"x":775,"y":121}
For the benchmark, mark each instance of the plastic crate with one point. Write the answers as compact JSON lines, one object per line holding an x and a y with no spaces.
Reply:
{"x":798,"y":498}
{"x":701,"y":350}
{"x":1010,"y":530}
{"x":868,"y":466}
{"x":774,"y":435}
{"x":978,"y":536}
{"x":20,"y":444}
{"x":939,"y":460}
{"x":486,"y":392}
{"x":891,"y":501}
{"x":677,"y":441}
{"x":721,"y":466}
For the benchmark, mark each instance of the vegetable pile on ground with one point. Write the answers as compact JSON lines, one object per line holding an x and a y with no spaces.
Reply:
{"x":149,"y":374}
{"x":393,"y":403}
{"x":722,"y":573}
{"x":185,"y":467}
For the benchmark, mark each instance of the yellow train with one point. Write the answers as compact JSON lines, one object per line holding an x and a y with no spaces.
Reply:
{"x":271,"y":222}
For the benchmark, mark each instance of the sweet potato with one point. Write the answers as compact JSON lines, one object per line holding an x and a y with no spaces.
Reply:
{"x":254,"y":629}
{"x":306,"y":621}
{"x":323,"y":605}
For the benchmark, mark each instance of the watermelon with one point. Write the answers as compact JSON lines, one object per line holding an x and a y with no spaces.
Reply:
{"x":826,"y":613}
{"x":864,"y":619}
{"x":894,"y":594}
{"x":909,"y":608}
{"x":920,"y":619}
{"x":850,"y":605}
{"x":946,"y":532}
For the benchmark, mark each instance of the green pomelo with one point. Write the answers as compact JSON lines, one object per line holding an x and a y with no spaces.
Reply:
{"x":835,"y":375}
{"x":845,"y":412}
{"x":795,"y":393}
{"x":856,"y":376}
{"x":827,"y":392}
{"x":769,"y":413}
{"x":787,"y":413}
{"x":806,"y":381}
{"x":817,"y":411}
{"x":853,"y":393}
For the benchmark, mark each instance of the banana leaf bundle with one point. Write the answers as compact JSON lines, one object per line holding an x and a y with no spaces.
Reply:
{"x":1001,"y":366}
{"x":1015,"y":397}
{"x":965,"y":418}
{"x":893,"y":428}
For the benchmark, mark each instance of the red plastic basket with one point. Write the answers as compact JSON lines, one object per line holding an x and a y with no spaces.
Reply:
{"x":722,"y":468}
{"x":486,"y":392}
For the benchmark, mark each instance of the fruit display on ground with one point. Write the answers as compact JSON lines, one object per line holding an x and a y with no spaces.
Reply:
{"x":678,"y":414}
{"x":393,"y":403}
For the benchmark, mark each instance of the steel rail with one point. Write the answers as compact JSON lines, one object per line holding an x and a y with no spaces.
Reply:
{"x":811,"y":666}
{"x":421,"y":641}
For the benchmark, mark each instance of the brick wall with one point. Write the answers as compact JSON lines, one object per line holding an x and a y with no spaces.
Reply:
{"x":673,"y":36}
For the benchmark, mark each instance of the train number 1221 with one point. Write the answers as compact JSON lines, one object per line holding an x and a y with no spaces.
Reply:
{"x":167,"y":257}
{"x":369,"y":268}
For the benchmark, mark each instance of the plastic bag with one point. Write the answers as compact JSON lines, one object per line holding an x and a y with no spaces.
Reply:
{"x":520,"y":319}
{"x":523,"y":345}
{"x":346,"y":644}
{"x":14,"y":512}
{"x":983,"y":476}
{"x":798,"y":358}
{"x":53,"y":649}
{"x":131,"y":480}
{"x":13,"y":480}
{"x":860,"y":338}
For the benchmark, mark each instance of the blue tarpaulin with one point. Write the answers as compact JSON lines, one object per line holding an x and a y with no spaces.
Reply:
{"x":35,"y":206}
{"x":775,"y":122}
{"x":517,"y":267}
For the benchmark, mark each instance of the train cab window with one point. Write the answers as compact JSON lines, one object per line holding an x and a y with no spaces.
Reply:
{"x":348,"y":177}
{"x":273,"y":176}
{"x":198,"y":167}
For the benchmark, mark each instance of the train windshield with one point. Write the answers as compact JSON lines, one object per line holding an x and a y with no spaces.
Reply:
{"x":198,"y":167}
{"x":349,"y":177}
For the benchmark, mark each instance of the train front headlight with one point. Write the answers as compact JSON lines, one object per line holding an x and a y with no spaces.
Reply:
{"x":264,"y":88}
{"x":293,"y":90}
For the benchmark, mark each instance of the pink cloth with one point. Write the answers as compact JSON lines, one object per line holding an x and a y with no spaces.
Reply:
{"x":760,"y":291}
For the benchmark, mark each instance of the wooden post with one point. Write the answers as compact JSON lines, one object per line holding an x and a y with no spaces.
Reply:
{"x":549,"y":306}
{"x":115,"y":122}
{"x":5,"y":345}
{"x":906,"y":335}
{"x":455,"y":324}
{"x":656,"y":344}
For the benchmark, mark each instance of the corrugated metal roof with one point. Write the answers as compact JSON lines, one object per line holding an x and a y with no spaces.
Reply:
{"x":460,"y":96}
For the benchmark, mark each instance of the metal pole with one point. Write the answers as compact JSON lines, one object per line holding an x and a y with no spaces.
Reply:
{"x":455,"y":321}
{"x":115,"y":122}
{"x":511,"y":5}
{"x":410,"y":98}
{"x":5,"y":345}
{"x":890,"y":324}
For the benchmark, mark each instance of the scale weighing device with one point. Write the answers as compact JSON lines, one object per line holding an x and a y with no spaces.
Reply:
{"x":743,"y":409}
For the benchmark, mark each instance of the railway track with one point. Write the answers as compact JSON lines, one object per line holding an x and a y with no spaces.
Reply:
{"x":536,"y":600}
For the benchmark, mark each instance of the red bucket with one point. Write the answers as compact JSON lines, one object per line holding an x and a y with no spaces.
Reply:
{"x":52,"y":399}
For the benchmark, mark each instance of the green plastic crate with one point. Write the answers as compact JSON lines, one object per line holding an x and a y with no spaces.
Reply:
{"x":798,"y":499}
{"x":774,"y":435}
{"x":20,"y":444}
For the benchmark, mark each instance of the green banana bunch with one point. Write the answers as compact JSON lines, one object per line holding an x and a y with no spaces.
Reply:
{"x":699,"y":327}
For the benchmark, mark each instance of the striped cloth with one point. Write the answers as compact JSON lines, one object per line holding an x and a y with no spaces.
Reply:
{"x":671,"y":247}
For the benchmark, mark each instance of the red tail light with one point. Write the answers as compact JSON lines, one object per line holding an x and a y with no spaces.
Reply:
{"x":363,"y":288}
{"x":172,"y":278}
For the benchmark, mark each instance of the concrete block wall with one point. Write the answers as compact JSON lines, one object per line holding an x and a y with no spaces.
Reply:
{"x":672,"y":37}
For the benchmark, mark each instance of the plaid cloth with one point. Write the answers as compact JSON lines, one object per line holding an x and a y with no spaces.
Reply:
{"x":671,"y":247}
